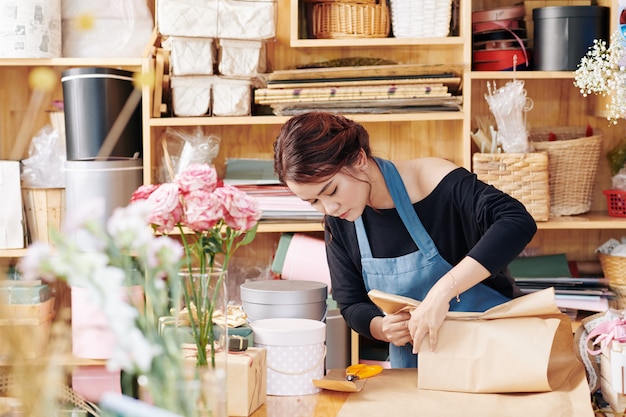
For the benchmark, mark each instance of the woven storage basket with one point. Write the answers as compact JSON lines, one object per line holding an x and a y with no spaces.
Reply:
{"x":335,"y":20}
{"x":619,"y":303}
{"x":420,"y":19}
{"x":614,"y":268}
{"x":524,"y":176}
{"x":573,"y":164}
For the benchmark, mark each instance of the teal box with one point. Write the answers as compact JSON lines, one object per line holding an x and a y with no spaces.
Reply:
{"x":23,"y":292}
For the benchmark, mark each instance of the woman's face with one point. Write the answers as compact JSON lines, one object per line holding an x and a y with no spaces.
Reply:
{"x":342,"y":195}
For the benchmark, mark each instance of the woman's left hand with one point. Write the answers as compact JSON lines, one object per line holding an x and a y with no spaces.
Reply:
{"x":426,"y":319}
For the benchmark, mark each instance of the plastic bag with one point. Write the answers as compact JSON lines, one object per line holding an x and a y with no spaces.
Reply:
{"x":184,"y":147}
{"x":44,"y":166}
{"x":130,"y":21}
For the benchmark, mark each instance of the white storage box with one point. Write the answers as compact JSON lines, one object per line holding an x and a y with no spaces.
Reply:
{"x":193,"y":18}
{"x":191,"y":95}
{"x":244,"y":19}
{"x":239,"y":58}
{"x":30,"y":28}
{"x":295,"y":354}
{"x":191,"y":56}
{"x":232,"y":97}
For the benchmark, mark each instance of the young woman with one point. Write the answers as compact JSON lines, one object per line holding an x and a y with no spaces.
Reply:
{"x":422,"y":228}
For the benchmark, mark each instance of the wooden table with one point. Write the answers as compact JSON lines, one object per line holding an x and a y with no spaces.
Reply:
{"x":324,"y":404}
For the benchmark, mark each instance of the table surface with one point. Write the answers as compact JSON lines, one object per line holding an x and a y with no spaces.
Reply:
{"x":324,"y":404}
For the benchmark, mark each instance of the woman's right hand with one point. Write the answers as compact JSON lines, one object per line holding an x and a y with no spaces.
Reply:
{"x":395,"y":328}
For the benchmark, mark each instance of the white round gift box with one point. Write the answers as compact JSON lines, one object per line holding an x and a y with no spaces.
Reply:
{"x":295,"y":353}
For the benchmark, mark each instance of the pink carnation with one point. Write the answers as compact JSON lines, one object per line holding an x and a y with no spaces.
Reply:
{"x":167,"y":209}
{"x":197,"y":177}
{"x":202,"y":210}
{"x":241,"y":211}
{"x":143,"y":192}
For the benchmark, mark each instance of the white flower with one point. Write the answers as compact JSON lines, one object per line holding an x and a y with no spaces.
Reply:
{"x":128,"y":227}
{"x":601,"y":71}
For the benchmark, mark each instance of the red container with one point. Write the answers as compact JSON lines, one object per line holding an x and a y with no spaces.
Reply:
{"x":616,"y":202}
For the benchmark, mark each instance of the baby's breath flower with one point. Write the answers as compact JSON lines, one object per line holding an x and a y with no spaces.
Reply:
{"x":601,"y":72}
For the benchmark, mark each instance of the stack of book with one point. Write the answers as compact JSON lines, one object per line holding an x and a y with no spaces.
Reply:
{"x":362,"y":89}
{"x":573,"y":292}
{"x":256,"y":177}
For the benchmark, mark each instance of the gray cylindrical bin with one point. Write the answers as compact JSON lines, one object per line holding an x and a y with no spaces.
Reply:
{"x":563,"y":35}
{"x":93,"y":99}
{"x":113,"y":180}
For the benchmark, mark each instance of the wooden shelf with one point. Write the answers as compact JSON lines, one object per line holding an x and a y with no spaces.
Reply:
{"x":279,"y":120}
{"x":374,"y":42}
{"x":522,"y":75}
{"x":12,"y":253}
{"x":71,"y":62}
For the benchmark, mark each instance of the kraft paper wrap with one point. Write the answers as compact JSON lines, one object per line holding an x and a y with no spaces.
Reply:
{"x":522,"y":346}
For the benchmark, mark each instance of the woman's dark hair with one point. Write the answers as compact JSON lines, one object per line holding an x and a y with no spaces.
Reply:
{"x":315,"y":145}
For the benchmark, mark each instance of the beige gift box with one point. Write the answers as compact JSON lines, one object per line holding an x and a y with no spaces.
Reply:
{"x":246,"y":374}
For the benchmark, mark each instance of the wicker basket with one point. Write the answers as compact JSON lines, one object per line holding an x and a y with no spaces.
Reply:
{"x":336,"y":20}
{"x":521,"y":175}
{"x":619,"y":302}
{"x":573,"y":164}
{"x":420,"y":19}
{"x":614,"y":268}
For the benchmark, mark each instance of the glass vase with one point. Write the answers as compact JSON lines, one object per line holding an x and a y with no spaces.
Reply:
{"x":205,"y":297}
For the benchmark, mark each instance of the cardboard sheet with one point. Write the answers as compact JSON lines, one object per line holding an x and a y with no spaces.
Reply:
{"x":394,"y":392}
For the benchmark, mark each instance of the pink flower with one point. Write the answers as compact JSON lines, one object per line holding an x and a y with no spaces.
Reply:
{"x":203,"y":210}
{"x":167,"y":209}
{"x":143,"y":192}
{"x":197,"y":177}
{"x":241,"y":211}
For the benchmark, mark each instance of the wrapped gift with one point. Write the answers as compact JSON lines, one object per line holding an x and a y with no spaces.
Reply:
{"x":613,"y":375}
{"x":247,"y":379}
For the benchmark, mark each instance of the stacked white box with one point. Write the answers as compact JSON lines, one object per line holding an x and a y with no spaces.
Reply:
{"x":191,"y":95}
{"x":191,"y":56}
{"x":232,"y":97}
{"x":221,"y":37}
{"x":239,"y":58}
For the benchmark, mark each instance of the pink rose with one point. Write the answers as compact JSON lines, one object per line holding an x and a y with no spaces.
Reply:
{"x":167,"y":209}
{"x":241,"y":211}
{"x":197,"y":177}
{"x":143,"y":192}
{"x":203,"y":210}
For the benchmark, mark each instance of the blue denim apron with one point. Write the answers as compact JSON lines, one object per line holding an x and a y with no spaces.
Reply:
{"x":414,"y":274}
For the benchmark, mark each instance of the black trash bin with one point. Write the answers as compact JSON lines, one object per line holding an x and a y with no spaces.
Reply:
{"x":93,"y":98}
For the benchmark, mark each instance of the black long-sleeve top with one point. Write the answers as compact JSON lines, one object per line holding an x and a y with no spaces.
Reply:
{"x":463,"y":216}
